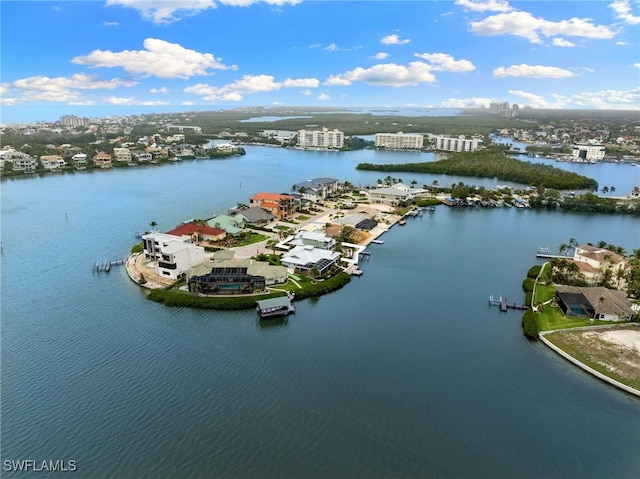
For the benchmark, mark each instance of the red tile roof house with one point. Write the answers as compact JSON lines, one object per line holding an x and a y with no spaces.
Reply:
{"x":281,"y":206}
{"x":200,"y":232}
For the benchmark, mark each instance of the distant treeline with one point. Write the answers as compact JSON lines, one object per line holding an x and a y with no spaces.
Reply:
{"x":494,"y":165}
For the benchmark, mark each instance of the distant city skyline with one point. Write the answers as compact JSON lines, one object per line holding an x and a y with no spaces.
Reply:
{"x":124,"y":57}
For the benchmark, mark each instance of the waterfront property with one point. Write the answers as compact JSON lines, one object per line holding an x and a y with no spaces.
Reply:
{"x":199,"y":232}
{"x":594,"y":303}
{"x":234,"y":277}
{"x":324,"y":138}
{"x":281,"y":206}
{"x":399,"y":141}
{"x":395,"y":194}
{"x":305,"y":259}
{"x":172,"y":255}
{"x":316,"y":189}
{"x":268,"y":308}
{"x":593,"y":262}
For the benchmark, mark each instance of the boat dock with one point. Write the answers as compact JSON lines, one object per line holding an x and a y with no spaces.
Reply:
{"x":281,"y":306}
{"x":504,"y":306}
{"x":105,"y":266}
{"x":376,"y":241}
{"x":546,"y":253}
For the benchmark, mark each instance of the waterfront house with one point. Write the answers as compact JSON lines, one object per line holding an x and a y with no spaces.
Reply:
{"x":257,"y":216}
{"x":234,"y":277}
{"x":279,"y":205}
{"x":79,"y":160}
{"x":122,"y":155}
{"x":232,"y":224}
{"x":395,"y":194}
{"x":593,"y":262}
{"x":52,"y":162}
{"x":103,"y":160}
{"x":316,"y":189}
{"x":313,"y":238}
{"x":303,"y":259}
{"x":199,"y":232}
{"x":594,"y":303}
{"x":172,"y":254}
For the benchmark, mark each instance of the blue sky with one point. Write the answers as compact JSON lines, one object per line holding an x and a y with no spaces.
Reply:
{"x":119,"y":57}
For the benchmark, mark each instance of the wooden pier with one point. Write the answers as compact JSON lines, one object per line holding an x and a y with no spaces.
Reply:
{"x":504,"y":306}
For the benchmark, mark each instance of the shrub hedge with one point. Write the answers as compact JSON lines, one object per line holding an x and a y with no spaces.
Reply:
{"x":529,"y":324}
{"x":534,"y":271}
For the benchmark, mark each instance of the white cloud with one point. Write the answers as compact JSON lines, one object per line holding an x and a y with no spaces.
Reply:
{"x":110,"y":24}
{"x":248,"y":84}
{"x":601,"y":100}
{"x":306,"y":92}
{"x":160,"y":58}
{"x":622,"y":42}
{"x":386,"y":74}
{"x":532,"y":71}
{"x":622,"y":9}
{"x":636,"y":65}
{"x":188,"y":103}
{"x":8,"y":101}
{"x":561,"y":42}
{"x":332,"y":48}
{"x":490,"y":5}
{"x":380,"y":55}
{"x":169,"y":11}
{"x":78,"y":81}
{"x":445,"y":62}
{"x":4,"y":89}
{"x":466,"y":103}
{"x":159,"y":90}
{"x":394,"y":40}
{"x":324,"y":97}
{"x":113,"y":100}
{"x":525,"y":25}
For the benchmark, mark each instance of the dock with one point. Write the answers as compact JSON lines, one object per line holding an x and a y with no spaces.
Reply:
{"x":272,"y":307}
{"x":504,"y":306}
{"x":105,"y":266}
{"x":376,"y":241}
{"x":546,"y":253}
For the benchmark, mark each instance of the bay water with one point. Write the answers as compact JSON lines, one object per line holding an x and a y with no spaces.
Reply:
{"x":405,"y":372}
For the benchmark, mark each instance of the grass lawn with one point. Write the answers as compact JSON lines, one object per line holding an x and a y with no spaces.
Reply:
{"x":543,"y":293}
{"x":551,"y":318}
{"x":303,"y":218}
{"x":254,"y":238}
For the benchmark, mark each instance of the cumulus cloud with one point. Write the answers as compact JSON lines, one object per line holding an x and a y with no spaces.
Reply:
{"x":622,"y":10}
{"x":475,"y":102}
{"x":380,"y":55}
{"x":324,"y":97}
{"x":248,"y":84}
{"x":63,"y":89}
{"x":445,"y":62}
{"x":159,"y":58}
{"x":490,"y":5}
{"x":332,"y":47}
{"x":636,"y":65}
{"x":525,"y":25}
{"x":306,"y":92}
{"x":394,"y":40}
{"x":532,"y":71}
{"x":388,"y":74}
{"x":561,"y":42}
{"x":601,"y":100}
{"x":159,"y":90}
{"x":114,"y":100}
{"x":169,"y":11}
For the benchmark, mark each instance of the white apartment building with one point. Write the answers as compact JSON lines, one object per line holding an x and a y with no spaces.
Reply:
{"x":588,"y":151}
{"x":460,"y":143}
{"x":324,"y":138}
{"x":196,"y":130}
{"x":398,"y":141}
{"x":122,"y":154}
{"x":52,"y":162}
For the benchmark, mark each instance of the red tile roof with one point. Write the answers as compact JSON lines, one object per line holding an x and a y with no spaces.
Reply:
{"x":190,"y":228}
{"x":270,"y":196}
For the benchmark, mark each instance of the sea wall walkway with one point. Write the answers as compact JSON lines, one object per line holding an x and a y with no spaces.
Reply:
{"x":580,"y":364}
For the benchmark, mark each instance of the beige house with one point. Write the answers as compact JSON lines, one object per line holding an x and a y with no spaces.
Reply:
{"x":103,"y":160}
{"x":594,"y":261}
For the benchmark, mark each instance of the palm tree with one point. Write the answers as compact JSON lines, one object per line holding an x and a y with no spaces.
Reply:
{"x":605,"y":189}
{"x":153,"y":225}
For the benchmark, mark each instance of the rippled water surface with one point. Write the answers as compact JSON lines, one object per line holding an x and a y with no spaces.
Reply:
{"x":406,"y":372}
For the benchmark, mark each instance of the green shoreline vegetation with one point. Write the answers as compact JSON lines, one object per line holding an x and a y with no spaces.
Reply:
{"x":493,"y":164}
{"x":175,"y":297}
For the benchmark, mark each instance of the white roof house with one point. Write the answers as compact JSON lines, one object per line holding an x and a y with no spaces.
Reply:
{"x":313,"y":238}
{"x":304,"y":258}
{"x":394,"y":194}
{"x":177,"y":257}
